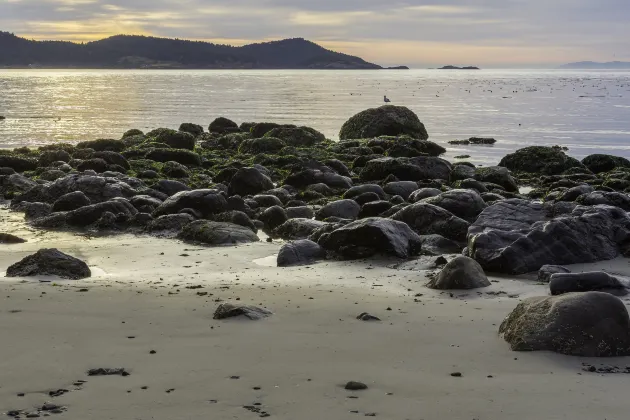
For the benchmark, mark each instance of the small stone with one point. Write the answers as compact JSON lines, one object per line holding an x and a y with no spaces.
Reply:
{"x":367,"y":317}
{"x":152,"y":352}
{"x":456,"y":374}
{"x":144,"y":387}
{"x":21,"y":394}
{"x":49,"y":406}
{"x":355,"y":386}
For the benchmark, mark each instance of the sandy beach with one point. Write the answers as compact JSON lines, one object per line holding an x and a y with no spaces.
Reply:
{"x":291,"y":365}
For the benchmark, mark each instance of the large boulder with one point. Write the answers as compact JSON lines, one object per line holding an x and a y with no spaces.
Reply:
{"x":217,"y":233}
{"x":496,"y":175}
{"x":51,"y":156}
{"x":343,"y":209}
{"x":466,"y":204}
{"x":604,"y":163}
{"x":206,"y":202}
{"x":170,"y":187}
{"x":372,"y":235}
{"x":401,"y":188}
{"x":50,"y":262}
{"x":365,"y":188}
{"x":223,"y":125}
{"x":19,"y":164}
{"x":298,"y":228}
{"x":588,"y":234}
{"x":273,"y":217}
{"x":427,"y":219}
{"x":100,"y":145}
{"x":169,"y":225}
{"x":540,"y":160}
{"x":591,"y":324}
{"x":299,"y":252}
{"x":508,"y":215}
{"x":304,"y":178}
{"x":190,"y":128}
{"x":406,"y":169}
{"x":562,"y":283}
{"x":249,"y":181}
{"x":87,"y":215}
{"x":387,"y":120}
{"x":460,"y":273}
{"x":175,"y":139}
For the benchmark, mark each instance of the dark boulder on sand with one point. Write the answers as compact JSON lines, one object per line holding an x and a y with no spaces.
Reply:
{"x":561,"y":283}
{"x":71,"y":201}
{"x":298,"y":228}
{"x":206,"y":202}
{"x":540,"y":160}
{"x":591,"y":324}
{"x":387,"y":120}
{"x":169,"y":225}
{"x":230,"y":310}
{"x":273,"y":217}
{"x":465,"y":204}
{"x":371,"y":236}
{"x":426,"y":219}
{"x":588,"y":234}
{"x":461,"y":273}
{"x":7,"y":238}
{"x":217,"y":233}
{"x":299,"y":252}
{"x":50,"y":262}
{"x":546,"y":271}
{"x":249,"y":181}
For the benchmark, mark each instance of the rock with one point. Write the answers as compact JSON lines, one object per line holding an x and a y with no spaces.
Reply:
{"x":298,"y":228}
{"x":427,"y":219}
{"x":561,"y":283}
{"x":297,"y":136}
{"x":33,"y":211}
{"x":308,"y":177}
{"x":364,"y":316}
{"x":175,"y":139}
{"x":497,"y":175}
{"x":591,"y":324}
{"x":49,"y":157}
{"x":71,"y":201}
{"x":51,"y":262}
{"x":368,"y":197}
{"x":344,"y":209}
{"x":222,"y":125}
{"x":573,"y":193}
{"x":386,"y":120}
{"x":273,"y":217}
{"x":355,"y":386}
{"x":615,"y":199}
{"x":238,"y":218}
{"x":303,"y":212}
{"x":604,"y":163}
{"x":461,"y":172}
{"x":546,"y":271}
{"x":300,"y":252}
{"x":401,"y":188}
{"x":461,"y":273}
{"x":107,"y":372}
{"x":471,"y":184}
{"x":338,"y":166}
{"x":266,"y":200}
{"x":170,"y":187}
{"x":206,"y":202}
{"x":175,"y":170}
{"x":365,"y":188}
{"x":97,"y":165}
{"x":169,"y":225}
{"x":190,"y":128}
{"x":217,"y":233}
{"x":249,"y":181}
{"x":406,"y":169}
{"x":465,"y":204}
{"x":588,"y":234}
{"x":112,"y":158}
{"x":265,"y":145}
{"x":540,"y":160}
{"x":437,"y":245}
{"x":185,"y":157}
{"x":230,"y":310}
{"x":423,"y":193}
{"x":7,"y":238}
{"x":374,"y":208}
{"x":19,"y":164}
{"x":16,"y":183}
{"x":372,"y":235}
{"x":100,"y":145}
{"x":508,"y":215}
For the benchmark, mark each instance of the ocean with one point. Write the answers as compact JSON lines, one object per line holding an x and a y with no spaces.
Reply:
{"x":586,"y":111}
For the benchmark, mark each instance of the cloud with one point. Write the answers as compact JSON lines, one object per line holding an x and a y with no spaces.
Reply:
{"x":414,"y":32}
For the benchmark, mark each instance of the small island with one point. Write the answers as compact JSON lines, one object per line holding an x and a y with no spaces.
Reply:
{"x":459,"y":68}
{"x":397,"y":68}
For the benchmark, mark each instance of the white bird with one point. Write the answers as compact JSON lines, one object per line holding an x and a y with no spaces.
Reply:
{"x":386,"y":99}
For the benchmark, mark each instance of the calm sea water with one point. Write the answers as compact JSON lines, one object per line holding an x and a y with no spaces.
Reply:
{"x":589,"y":112}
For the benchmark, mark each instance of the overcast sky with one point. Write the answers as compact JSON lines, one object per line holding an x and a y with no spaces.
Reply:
{"x":419,"y":33}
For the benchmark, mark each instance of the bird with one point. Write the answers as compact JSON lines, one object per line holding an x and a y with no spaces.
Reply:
{"x":386,"y":99}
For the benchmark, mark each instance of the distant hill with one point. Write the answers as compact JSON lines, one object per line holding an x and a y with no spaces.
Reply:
{"x":458,"y":68}
{"x":130,"y":51}
{"x":594,"y":65}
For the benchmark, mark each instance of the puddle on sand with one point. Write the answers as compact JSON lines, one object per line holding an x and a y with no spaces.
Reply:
{"x":270,"y":261}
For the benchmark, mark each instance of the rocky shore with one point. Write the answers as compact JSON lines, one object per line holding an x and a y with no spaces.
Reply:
{"x":381,"y":192}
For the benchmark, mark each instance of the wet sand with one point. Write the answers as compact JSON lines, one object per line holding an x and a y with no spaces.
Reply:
{"x":138,"y":300}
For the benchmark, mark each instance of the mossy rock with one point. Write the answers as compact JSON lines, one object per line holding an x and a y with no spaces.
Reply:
{"x":175,"y":139}
{"x":297,"y":136}
{"x":599,"y":163}
{"x":18,"y":163}
{"x":387,"y":120}
{"x":101,"y":145}
{"x":194,"y":129}
{"x":132,"y":133}
{"x":139,"y":165}
{"x":222,"y":125}
{"x":185,"y":157}
{"x":261,"y":145}
{"x":67,"y":147}
{"x":540,"y":160}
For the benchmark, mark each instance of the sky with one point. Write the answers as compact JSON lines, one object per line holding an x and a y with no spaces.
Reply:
{"x":417,"y":33}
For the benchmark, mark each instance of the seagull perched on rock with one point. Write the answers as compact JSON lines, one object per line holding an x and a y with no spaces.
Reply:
{"x":386,"y":99}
